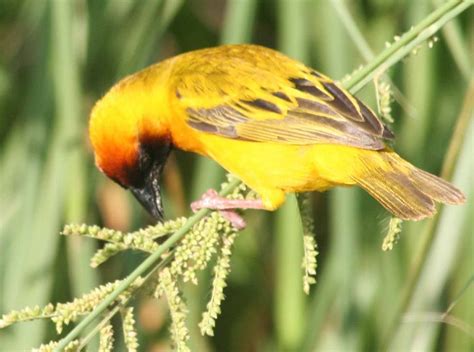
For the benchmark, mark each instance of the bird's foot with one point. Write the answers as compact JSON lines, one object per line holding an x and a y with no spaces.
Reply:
{"x":234,"y":218}
{"x":212,"y":200}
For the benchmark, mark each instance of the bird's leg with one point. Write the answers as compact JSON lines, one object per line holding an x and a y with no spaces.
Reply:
{"x":235,"y":219}
{"x":212,"y":200}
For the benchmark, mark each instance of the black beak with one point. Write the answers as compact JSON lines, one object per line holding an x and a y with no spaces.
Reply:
{"x":149,"y":197}
{"x":151,"y":162}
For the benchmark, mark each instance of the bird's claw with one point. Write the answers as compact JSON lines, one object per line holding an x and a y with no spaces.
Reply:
{"x":235,"y":219}
{"x":209,"y":200}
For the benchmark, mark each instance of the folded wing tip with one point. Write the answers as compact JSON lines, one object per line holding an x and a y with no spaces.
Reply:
{"x":388,"y":133}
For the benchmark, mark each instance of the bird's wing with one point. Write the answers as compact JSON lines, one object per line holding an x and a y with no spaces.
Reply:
{"x":274,"y":100}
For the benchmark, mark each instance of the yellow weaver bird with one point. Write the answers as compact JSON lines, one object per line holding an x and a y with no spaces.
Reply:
{"x":275,"y":123}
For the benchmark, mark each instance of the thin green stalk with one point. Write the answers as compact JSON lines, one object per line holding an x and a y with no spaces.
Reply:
{"x":292,"y":36}
{"x":430,"y":228}
{"x":136,"y":50}
{"x":419,"y":84}
{"x":453,"y":35}
{"x":110,"y":314}
{"x":460,"y":290}
{"x":155,"y":16}
{"x":290,"y":300}
{"x":384,"y":60}
{"x":122,"y":304}
{"x":410,"y":40}
{"x":352,"y":29}
{"x":364,"y":49}
{"x":238,"y":21}
{"x":289,"y":297}
{"x":141,"y":269}
{"x":458,"y":134}
{"x":451,"y":31}
{"x":459,"y":295}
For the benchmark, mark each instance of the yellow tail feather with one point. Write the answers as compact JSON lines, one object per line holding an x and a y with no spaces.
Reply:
{"x":406,"y":191}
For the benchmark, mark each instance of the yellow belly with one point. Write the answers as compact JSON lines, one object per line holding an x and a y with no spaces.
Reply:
{"x":273,"y":169}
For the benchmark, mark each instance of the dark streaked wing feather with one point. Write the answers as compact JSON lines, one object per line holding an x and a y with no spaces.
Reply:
{"x":297,"y":127}
{"x":305,"y":109}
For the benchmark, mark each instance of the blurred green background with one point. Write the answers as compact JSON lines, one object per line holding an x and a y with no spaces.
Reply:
{"x":58,"y":57}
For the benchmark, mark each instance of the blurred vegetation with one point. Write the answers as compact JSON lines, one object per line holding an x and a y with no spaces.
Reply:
{"x":58,"y":57}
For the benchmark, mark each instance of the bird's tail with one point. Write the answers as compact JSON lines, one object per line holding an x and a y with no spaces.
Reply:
{"x":406,"y":191}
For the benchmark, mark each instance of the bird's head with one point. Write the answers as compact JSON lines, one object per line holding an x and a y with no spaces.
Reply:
{"x":131,"y":142}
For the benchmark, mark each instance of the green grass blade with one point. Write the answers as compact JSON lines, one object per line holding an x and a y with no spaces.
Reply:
{"x":290,"y":301}
{"x":457,"y":45}
{"x":290,"y":312}
{"x":238,"y":21}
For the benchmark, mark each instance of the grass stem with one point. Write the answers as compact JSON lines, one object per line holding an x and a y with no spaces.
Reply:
{"x":146,"y":265}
